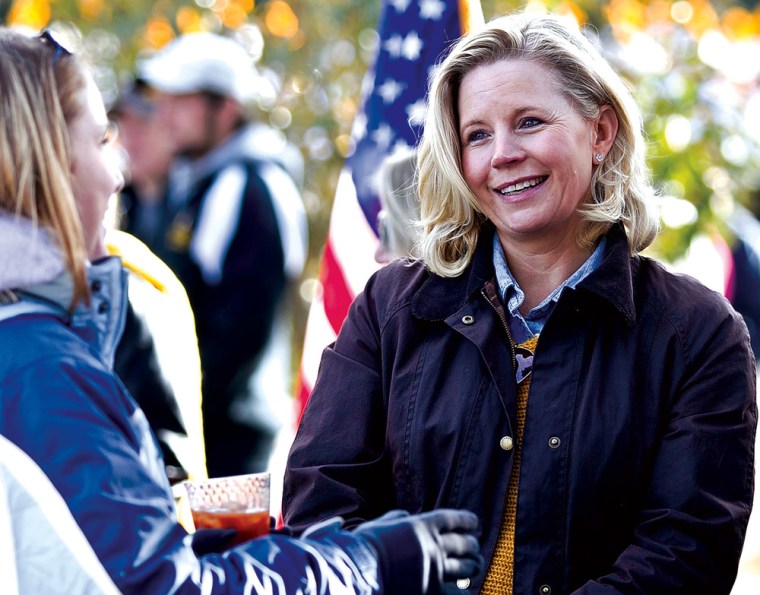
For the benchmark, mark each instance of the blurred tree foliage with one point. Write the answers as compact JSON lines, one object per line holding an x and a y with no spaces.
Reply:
{"x":693,"y":65}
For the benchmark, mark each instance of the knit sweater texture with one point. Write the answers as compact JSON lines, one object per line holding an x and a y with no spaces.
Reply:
{"x":500,"y":576}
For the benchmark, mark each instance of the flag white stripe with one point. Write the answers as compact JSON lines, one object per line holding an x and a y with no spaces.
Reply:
{"x":353,"y":240}
{"x":319,"y":334}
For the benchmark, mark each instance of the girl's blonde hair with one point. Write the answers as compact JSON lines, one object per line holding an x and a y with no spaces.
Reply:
{"x":40,"y":92}
{"x":621,"y":190}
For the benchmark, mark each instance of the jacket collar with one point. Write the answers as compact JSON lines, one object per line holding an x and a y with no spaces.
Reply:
{"x":100,"y":324}
{"x":33,"y":278}
{"x":613,"y":280}
{"x":103,"y":321}
{"x":439,"y":297}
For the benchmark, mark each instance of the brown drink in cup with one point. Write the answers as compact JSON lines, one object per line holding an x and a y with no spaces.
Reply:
{"x":239,"y":502}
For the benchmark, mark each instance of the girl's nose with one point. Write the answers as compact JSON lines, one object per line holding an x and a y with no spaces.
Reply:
{"x":118,"y":180}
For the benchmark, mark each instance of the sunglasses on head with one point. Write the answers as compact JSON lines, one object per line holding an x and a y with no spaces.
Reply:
{"x":49,"y":37}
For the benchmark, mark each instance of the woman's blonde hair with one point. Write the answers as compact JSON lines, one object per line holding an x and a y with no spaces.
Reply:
{"x":621,"y":190}
{"x":40,"y":92}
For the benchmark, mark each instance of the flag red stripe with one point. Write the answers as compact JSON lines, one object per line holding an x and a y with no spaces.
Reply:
{"x":337,"y":295}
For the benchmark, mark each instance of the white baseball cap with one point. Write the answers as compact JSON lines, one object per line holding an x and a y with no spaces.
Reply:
{"x":198,"y":62}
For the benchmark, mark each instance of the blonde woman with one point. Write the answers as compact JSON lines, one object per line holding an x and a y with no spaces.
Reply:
{"x":595,"y":411}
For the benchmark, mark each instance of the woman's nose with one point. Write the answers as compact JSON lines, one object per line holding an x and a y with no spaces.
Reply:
{"x":506,"y":150}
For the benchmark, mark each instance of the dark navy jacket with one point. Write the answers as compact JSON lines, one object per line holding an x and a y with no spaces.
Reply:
{"x":234,"y":316}
{"x":637,"y":457}
{"x":233,"y":230}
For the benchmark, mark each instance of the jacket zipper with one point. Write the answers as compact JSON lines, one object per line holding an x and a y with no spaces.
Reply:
{"x":500,"y":314}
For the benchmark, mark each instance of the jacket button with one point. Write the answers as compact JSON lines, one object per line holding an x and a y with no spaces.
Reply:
{"x":463,"y":583}
{"x":554,"y":442}
{"x":506,"y":443}
{"x":467,"y":319}
{"x":103,"y":308}
{"x":95,"y":286}
{"x":545,"y":590}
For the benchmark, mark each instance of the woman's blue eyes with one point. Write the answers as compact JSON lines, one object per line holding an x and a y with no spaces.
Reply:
{"x":525,"y":123}
{"x":474,"y":137}
{"x":529,"y":122}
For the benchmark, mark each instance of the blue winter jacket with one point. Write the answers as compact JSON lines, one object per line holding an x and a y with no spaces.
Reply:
{"x":62,"y":405}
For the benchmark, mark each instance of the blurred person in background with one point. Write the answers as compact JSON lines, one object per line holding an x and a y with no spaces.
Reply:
{"x":743,"y":290}
{"x":234,"y":232}
{"x":596,"y":411}
{"x":398,"y":220}
{"x":148,"y":154}
{"x":62,"y":300}
{"x":743,"y":287}
{"x":157,"y":357}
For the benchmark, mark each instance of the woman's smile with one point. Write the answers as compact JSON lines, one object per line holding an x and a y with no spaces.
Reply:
{"x":517,"y":188}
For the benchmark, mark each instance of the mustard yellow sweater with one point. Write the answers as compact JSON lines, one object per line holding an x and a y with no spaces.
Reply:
{"x":500,"y":575}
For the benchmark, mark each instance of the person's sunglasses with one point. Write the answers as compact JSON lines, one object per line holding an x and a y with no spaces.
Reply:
{"x":49,"y":37}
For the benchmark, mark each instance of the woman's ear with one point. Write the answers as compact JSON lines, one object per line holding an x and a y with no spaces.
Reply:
{"x":606,"y":131}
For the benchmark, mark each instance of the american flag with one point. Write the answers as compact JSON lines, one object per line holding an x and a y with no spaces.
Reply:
{"x":413,"y":36}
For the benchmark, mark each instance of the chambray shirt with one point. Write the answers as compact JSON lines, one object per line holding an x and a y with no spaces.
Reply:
{"x":522,"y":327}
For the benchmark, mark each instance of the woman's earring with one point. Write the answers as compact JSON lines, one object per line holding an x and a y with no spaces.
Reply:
{"x":599,"y":157}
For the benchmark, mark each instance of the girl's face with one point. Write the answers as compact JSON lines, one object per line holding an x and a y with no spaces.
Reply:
{"x":95,"y":172}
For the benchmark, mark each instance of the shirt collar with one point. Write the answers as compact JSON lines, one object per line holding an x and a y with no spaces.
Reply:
{"x":513,"y":296}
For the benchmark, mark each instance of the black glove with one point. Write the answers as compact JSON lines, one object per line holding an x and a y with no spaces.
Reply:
{"x":212,"y":541}
{"x":447,"y":538}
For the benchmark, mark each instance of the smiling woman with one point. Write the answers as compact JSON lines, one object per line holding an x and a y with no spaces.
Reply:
{"x":596,"y":411}
{"x":528,"y":156}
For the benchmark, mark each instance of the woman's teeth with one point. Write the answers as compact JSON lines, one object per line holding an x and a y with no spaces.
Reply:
{"x":522,"y":185}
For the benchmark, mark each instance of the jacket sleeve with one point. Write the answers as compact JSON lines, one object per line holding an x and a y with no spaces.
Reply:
{"x":338,"y":464}
{"x":695,"y":509}
{"x":43,"y":549}
{"x":90,"y":439}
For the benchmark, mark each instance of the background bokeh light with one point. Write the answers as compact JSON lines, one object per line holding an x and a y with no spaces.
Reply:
{"x":693,"y":65}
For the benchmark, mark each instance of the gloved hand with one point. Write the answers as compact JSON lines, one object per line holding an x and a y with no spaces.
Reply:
{"x":212,"y":541}
{"x":447,"y":538}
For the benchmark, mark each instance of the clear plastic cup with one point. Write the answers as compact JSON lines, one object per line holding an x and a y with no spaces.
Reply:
{"x":239,"y":502}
